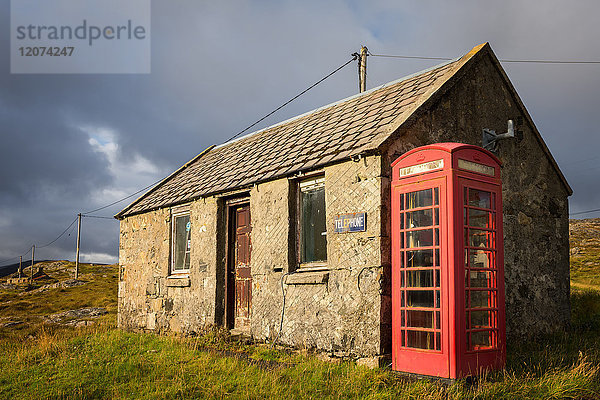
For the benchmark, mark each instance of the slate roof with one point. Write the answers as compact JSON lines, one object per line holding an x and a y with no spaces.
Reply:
{"x":329,"y":134}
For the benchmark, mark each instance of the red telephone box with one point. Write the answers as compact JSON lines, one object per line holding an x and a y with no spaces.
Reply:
{"x":447,"y":262}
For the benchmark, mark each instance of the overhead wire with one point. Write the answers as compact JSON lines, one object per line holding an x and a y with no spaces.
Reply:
{"x":354,"y":58}
{"x":501,"y":60}
{"x":98,"y":216}
{"x":124,"y":198}
{"x":59,"y":236}
{"x":41,"y":247}
{"x":585,"y":212}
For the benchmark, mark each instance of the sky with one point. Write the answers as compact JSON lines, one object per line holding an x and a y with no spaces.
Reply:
{"x":76,"y":142}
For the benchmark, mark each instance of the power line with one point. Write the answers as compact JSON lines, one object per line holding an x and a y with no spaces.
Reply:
{"x":98,"y":216}
{"x":41,"y":247}
{"x":501,"y":60}
{"x":411,"y":57}
{"x":59,"y":236}
{"x":585,"y":212}
{"x":354,"y":58}
{"x":14,"y":258}
{"x":124,"y":198}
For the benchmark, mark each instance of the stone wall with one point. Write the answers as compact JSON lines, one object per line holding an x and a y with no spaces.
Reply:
{"x":337,"y":310}
{"x":536,"y":236}
{"x":149,"y":298}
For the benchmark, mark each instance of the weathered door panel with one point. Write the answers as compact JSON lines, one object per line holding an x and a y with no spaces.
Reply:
{"x":243,"y":276}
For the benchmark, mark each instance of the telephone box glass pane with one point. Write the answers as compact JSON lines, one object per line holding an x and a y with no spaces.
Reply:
{"x":480,"y":279}
{"x":419,"y":259}
{"x":480,"y":238}
{"x":421,"y":198}
{"x":480,"y":258}
{"x":480,"y":198}
{"x":480,"y":299}
{"x":419,"y":319}
{"x":420,"y":339}
{"x":419,"y":218}
{"x":420,"y":278}
{"x":481,"y":319}
{"x":481,"y":339}
{"x":480,"y":219}
{"x":422,"y":238}
{"x":419,"y":298}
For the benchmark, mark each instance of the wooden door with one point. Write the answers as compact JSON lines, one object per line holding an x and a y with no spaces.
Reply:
{"x":241,"y":266}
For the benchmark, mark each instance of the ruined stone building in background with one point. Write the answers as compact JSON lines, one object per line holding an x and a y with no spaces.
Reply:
{"x":222,"y":239}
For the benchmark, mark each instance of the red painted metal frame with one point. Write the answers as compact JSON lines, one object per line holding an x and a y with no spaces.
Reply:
{"x":454,"y":359}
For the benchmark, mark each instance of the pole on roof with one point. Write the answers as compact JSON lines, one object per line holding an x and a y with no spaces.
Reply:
{"x":78,"y":239}
{"x":20,"y":266}
{"x":362,"y":70}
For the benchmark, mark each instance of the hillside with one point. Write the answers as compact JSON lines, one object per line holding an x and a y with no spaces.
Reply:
{"x":584,"y":237}
{"x":56,"y":301}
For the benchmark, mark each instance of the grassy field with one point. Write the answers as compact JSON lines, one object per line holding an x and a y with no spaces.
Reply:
{"x":42,"y":359}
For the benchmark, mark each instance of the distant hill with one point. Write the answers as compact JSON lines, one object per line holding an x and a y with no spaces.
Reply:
{"x":12,"y":268}
{"x":584,"y":238}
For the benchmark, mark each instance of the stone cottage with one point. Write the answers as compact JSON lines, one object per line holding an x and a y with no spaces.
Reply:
{"x":284,"y":234}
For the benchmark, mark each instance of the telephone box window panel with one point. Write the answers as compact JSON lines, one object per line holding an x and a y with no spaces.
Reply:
{"x":447,"y":262}
{"x":420,"y":270}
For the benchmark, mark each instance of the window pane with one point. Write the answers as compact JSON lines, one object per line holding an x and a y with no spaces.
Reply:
{"x":480,"y":299}
{"x":313,"y":226}
{"x":480,"y":219}
{"x":481,"y":319}
{"x":421,"y":298}
{"x":420,"y":278}
{"x":480,"y":259}
{"x":480,"y":279}
{"x":419,"y":258}
{"x":481,"y":339}
{"x":419,"y":319}
{"x":480,"y":238}
{"x":479,"y":198}
{"x":419,"y":219}
{"x":422,"y":198}
{"x":419,"y":340}
{"x":182,"y":243}
{"x":422,"y":238}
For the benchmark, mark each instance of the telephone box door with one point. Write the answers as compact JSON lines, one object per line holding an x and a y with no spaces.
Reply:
{"x":419,"y":281}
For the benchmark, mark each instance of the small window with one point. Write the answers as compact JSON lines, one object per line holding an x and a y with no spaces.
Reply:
{"x":312,"y":225}
{"x":181,"y":242}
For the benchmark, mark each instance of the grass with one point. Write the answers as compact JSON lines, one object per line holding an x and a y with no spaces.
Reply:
{"x":53,"y":361}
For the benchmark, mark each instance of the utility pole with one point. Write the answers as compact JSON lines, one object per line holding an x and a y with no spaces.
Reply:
{"x":78,"y":239}
{"x":32,"y":261}
{"x":20,"y":266}
{"x":362,"y":70}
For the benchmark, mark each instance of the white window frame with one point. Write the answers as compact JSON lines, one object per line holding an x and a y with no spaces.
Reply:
{"x":177,"y":213}
{"x":303,"y":185}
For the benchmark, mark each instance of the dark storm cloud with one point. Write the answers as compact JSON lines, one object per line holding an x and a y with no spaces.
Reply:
{"x":76,"y":142}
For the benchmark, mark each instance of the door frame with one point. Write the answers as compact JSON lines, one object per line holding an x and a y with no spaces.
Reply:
{"x":231,"y":205}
